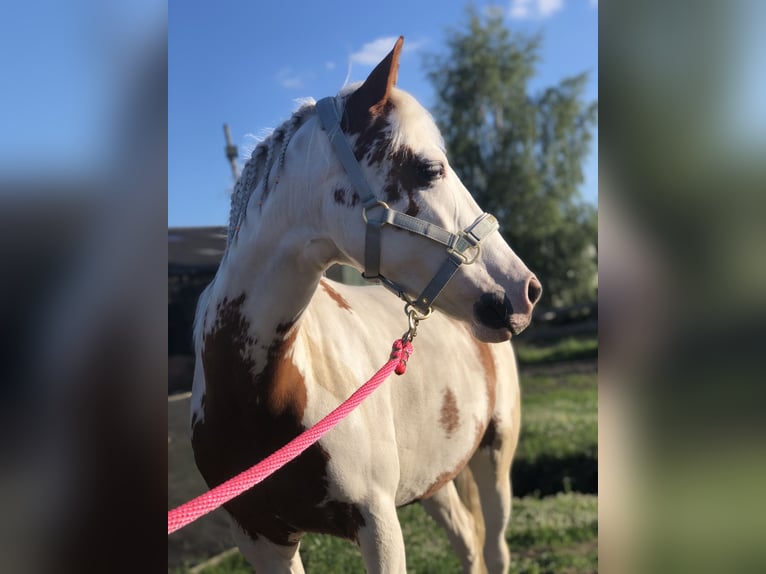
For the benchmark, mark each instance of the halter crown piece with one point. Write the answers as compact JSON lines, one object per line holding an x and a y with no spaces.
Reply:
{"x":463,"y":248}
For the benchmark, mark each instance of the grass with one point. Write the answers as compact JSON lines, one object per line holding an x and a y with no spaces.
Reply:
{"x":550,"y":535}
{"x":568,"y":349}
{"x":558,"y":447}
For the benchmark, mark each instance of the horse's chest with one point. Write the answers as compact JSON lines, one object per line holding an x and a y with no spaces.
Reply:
{"x":291,"y":501}
{"x":248,"y":416}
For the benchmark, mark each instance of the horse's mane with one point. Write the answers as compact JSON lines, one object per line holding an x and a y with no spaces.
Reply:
{"x":255,"y":174}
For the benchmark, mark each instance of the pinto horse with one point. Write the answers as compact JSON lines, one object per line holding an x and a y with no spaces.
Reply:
{"x":278,"y":346}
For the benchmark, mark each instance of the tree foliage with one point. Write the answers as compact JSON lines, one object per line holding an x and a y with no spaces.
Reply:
{"x":520,"y":154}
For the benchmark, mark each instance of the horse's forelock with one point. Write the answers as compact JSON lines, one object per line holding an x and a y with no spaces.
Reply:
{"x":411,"y":125}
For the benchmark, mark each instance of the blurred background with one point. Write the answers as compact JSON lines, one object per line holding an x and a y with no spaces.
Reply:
{"x":682,"y":285}
{"x":89,"y":185}
{"x":83,"y":285}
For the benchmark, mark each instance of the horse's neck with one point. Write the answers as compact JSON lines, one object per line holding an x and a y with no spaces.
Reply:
{"x":273,"y":277}
{"x":280,"y":249}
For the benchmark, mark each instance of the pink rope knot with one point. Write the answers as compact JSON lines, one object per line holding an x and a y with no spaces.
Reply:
{"x":402,"y":352}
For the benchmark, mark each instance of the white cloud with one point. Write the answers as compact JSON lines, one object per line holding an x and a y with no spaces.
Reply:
{"x":519,"y":9}
{"x":534,"y":9}
{"x":548,"y":7}
{"x":594,"y":3}
{"x":373,"y":52}
{"x":329,"y":65}
{"x":287,"y":78}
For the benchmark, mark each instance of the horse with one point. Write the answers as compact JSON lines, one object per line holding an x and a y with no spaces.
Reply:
{"x":278,"y":345}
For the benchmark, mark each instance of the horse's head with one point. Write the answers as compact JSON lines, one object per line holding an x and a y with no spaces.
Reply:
{"x":401,"y":164}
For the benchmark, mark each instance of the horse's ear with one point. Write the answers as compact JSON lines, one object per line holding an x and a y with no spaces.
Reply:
{"x":372,"y":96}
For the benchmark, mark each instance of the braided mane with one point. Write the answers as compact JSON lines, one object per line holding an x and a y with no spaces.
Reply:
{"x":255,"y":174}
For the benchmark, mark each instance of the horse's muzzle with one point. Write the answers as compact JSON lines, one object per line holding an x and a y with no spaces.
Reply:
{"x":495,"y":311}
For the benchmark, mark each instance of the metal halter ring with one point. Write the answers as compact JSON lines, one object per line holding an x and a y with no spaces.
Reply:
{"x":462,"y":255}
{"x":412,"y":312}
{"x":373,"y":206}
{"x":413,"y":320}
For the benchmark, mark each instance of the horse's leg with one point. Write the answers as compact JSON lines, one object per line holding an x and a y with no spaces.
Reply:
{"x":491,"y":468}
{"x":380,"y":539}
{"x":493,"y":480}
{"x":265,"y":556}
{"x":468,"y":493}
{"x":446,"y":508}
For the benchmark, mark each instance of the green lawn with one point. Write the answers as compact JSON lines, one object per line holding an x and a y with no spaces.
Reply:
{"x":568,"y":349}
{"x":550,"y":535}
{"x":558,"y":447}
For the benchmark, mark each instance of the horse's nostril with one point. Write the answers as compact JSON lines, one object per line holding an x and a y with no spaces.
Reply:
{"x":534,"y":290}
{"x":493,"y":310}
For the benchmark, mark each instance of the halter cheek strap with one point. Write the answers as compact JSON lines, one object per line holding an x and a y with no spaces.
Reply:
{"x":463,"y":248}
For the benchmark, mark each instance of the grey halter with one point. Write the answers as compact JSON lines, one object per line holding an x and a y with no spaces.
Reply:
{"x":459,"y":245}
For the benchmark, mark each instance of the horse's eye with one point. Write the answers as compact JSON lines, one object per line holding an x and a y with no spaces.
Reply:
{"x":429,"y":171}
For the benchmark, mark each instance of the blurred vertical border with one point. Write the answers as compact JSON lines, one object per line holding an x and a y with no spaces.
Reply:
{"x":83,"y":285}
{"x":682,"y":215}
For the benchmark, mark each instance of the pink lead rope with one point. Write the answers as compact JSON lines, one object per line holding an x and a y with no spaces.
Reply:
{"x":224,"y":492}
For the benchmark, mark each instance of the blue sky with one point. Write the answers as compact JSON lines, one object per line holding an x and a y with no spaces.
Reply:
{"x":67,"y":68}
{"x":245,"y":63}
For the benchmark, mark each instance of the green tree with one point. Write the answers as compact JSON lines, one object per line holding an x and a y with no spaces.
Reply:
{"x":521,"y":155}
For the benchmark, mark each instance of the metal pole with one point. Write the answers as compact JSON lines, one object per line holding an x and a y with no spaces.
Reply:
{"x":231,"y":152}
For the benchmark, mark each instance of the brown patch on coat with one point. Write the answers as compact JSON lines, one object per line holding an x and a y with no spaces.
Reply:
{"x":366,"y":116}
{"x":373,"y":147}
{"x":450,"y":415}
{"x":490,"y":371}
{"x":448,"y":475}
{"x":251,"y":411}
{"x":344,"y":197}
{"x":487,"y":361}
{"x":335,"y":296}
{"x":490,"y":435}
{"x":404,"y":178}
{"x":288,"y":391}
{"x":373,"y":136}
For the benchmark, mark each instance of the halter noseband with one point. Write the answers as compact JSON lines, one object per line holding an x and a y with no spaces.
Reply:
{"x":459,"y":245}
